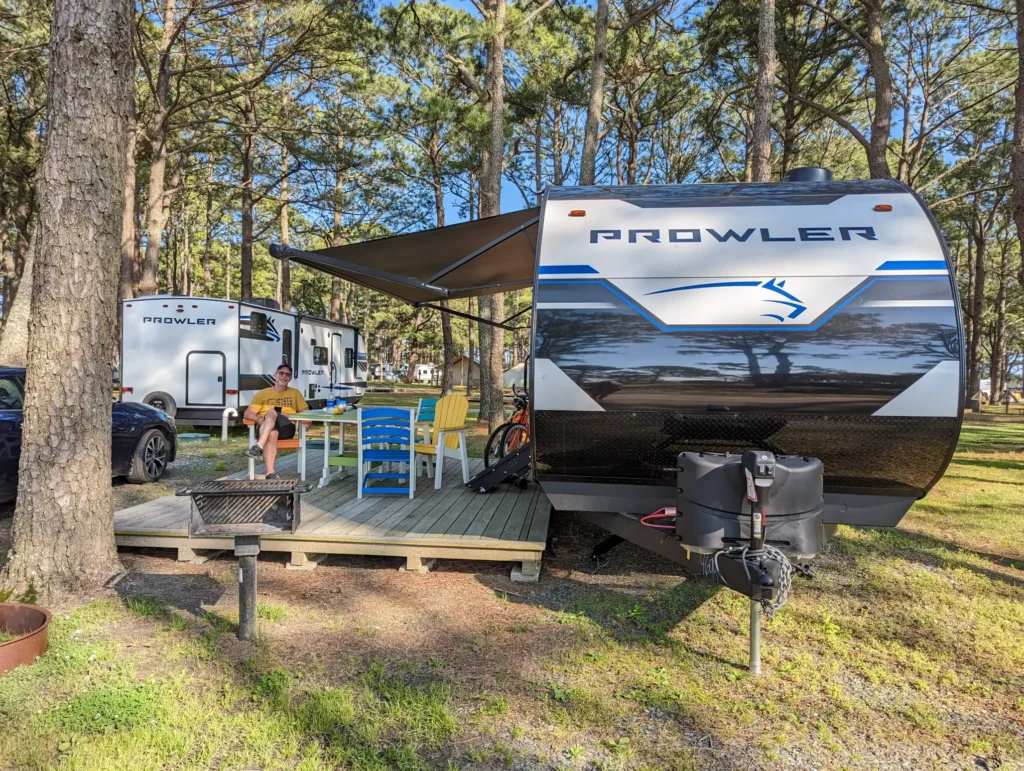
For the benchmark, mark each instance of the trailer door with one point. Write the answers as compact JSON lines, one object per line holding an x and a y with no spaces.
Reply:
{"x":337,"y":360}
{"x":204,"y":378}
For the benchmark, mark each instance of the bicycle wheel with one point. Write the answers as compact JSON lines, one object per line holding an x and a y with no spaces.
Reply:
{"x":515,"y":436}
{"x":493,"y":452}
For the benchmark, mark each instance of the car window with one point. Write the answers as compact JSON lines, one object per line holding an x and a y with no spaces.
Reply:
{"x":10,"y":394}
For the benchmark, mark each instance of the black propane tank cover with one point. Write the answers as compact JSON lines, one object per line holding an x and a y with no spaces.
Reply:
{"x":808,"y":174}
{"x":714,"y":512}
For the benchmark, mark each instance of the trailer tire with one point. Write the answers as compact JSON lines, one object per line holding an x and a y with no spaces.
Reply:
{"x":149,"y":461}
{"x":162,"y":401}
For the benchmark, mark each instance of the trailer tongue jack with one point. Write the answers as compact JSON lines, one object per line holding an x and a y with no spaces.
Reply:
{"x":738,"y":520}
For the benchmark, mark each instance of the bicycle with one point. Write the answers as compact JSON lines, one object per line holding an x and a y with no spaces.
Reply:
{"x":512,"y":435}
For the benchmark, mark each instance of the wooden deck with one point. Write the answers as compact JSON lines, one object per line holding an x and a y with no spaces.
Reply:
{"x":507,"y":524}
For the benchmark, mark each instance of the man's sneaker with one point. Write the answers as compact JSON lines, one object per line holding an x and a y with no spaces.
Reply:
{"x":255,"y":452}
{"x":272,"y":476}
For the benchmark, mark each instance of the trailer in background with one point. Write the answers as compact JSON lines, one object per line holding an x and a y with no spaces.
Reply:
{"x":194,"y":357}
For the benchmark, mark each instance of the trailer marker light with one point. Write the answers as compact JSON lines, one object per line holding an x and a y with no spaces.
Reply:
{"x":195,"y":306}
{"x":231,"y":306}
{"x":578,"y":213}
{"x":127,"y":390}
{"x":232,"y":392}
{"x":883,"y":207}
{"x":165,"y":305}
{"x":129,"y":305}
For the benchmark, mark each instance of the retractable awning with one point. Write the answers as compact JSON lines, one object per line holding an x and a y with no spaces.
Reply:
{"x":485,"y":256}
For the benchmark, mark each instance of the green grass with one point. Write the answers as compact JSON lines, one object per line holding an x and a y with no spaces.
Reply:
{"x":270,"y":612}
{"x":908,"y":644}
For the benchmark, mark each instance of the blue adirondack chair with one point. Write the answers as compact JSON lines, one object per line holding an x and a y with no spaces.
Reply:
{"x":387,"y":435}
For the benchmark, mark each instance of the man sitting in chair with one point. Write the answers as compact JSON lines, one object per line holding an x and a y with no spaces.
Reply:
{"x":269,"y":410}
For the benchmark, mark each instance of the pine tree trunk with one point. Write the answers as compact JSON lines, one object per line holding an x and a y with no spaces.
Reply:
{"x":881,"y":121}
{"x":1017,"y":158}
{"x":208,"y":243}
{"x":448,"y":373}
{"x":471,"y":346}
{"x":248,"y":173}
{"x":337,"y":285}
{"x":414,"y":352}
{"x":14,"y":343}
{"x":63,"y":534}
{"x":484,"y":344}
{"x":227,"y":273}
{"x":999,"y":333}
{"x":977,"y":313}
{"x":158,"y":156}
{"x":284,"y":273}
{"x":148,"y":281}
{"x":127,"y":283}
{"x":595,"y":106}
{"x":493,"y":307}
{"x":496,"y":404}
{"x":764,"y":95}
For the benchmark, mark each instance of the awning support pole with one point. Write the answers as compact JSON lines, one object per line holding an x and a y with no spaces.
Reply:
{"x":527,"y":309}
{"x":460,"y":314}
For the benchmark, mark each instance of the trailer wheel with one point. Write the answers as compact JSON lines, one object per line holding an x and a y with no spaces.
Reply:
{"x":161,"y":401}
{"x":149,"y":461}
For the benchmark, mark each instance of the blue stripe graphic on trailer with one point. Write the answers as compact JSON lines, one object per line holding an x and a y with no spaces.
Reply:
{"x":706,"y":286}
{"x":553,"y":270}
{"x":736,"y":328}
{"x":913,"y":265}
{"x":772,"y":284}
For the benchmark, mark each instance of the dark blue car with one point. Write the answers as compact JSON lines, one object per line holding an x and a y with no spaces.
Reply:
{"x":144,"y":439}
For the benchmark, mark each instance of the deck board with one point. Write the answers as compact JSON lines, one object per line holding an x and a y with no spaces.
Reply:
{"x":451,"y":523}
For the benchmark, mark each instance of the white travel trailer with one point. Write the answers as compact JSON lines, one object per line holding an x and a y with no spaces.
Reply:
{"x":423,"y":373}
{"x":193,"y":357}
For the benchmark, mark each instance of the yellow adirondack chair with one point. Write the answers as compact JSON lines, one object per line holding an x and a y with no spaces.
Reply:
{"x":446,"y":438}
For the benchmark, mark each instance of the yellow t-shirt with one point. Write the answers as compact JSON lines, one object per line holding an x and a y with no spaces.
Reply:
{"x":290,"y":401}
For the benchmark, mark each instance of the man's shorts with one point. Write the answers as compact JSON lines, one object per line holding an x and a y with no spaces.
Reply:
{"x":285,"y":428}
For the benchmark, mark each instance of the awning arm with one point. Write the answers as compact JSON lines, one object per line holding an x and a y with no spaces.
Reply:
{"x":500,"y":239}
{"x":527,"y":309}
{"x":479,"y":319}
{"x":279,"y":252}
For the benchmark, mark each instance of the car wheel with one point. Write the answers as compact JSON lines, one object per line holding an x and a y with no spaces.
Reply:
{"x":149,"y":461}
{"x":162,"y":401}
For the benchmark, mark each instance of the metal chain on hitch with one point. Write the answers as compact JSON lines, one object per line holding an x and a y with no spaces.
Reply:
{"x":709,"y":566}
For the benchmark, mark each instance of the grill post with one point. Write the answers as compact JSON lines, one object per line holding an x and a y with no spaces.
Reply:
{"x":247,"y":547}
{"x":245,"y":510}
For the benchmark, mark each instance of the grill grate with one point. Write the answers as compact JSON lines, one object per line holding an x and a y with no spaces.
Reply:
{"x":238,"y":507}
{"x":248,"y":487}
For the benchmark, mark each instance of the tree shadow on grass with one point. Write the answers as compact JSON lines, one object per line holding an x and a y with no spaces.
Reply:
{"x":935,"y":552}
{"x":190,"y":593}
{"x":633,"y":594}
{"x":997,"y":463}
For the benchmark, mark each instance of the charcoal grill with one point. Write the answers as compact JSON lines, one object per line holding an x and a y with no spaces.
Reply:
{"x":245,"y":509}
{"x":233,"y":507}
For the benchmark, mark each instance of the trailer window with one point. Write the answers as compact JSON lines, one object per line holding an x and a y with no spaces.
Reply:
{"x":349,"y":358}
{"x":286,"y":347}
{"x":258,"y":323}
{"x":319,"y":354}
